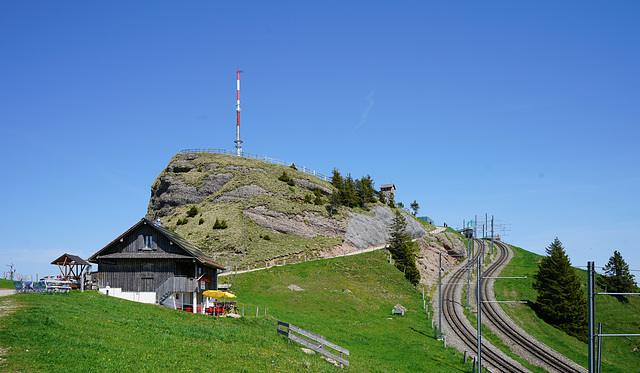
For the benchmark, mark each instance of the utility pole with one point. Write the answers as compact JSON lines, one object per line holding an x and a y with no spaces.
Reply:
{"x":440,"y":295}
{"x":479,"y":313}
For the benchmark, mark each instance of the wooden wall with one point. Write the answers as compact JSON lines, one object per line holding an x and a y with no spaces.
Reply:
{"x":145,"y":274}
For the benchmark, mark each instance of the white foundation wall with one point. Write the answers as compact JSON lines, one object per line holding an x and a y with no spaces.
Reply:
{"x":136,"y":296}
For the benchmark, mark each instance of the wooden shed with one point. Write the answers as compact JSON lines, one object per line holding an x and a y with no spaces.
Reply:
{"x":152,"y":264}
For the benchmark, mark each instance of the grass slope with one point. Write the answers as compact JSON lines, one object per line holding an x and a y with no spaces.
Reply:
{"x":86,"y":332}
{"x":349,"y":301}
{"x":619,"y":354}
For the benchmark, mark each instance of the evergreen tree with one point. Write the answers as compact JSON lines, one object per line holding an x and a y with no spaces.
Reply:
{"x":350,"y":197}
{"x":617,"y":277}
{"x":381,"y":198}
{"x":415,"y":207}
{"x":561,"y":300}
{"x":338,"y":182}
{"x":402,"y":249}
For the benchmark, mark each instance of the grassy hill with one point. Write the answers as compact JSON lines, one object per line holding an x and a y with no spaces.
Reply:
{"x":187,"y":173}
{"x":86,"y":332}
{"x":619,"y":354}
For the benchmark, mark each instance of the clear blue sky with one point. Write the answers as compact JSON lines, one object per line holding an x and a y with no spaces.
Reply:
{"x":524,"y":110}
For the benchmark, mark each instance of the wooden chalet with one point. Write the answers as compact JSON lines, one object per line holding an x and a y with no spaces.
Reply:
{"x":152,"y":264}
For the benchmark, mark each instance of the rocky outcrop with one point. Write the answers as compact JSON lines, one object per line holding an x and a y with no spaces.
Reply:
{"x":243,"y":192}
{"x":308,"y":225}
{"x":169,"y":192}
{"x":366,"y":230}
{"x":312,"y":186}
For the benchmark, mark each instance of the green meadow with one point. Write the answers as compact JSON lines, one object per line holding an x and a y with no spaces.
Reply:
{"x":89,"y":332}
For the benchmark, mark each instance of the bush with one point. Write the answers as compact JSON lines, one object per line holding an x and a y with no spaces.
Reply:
{"x":220,"y":224}
{"x":201,"y":221}
{"x":286,"y":178}
{"x":308,"y":198}
{"x":293,"y":165}
{"x":193,"y":211}
{"x":182,"y":221}
{"x":266,"y":237}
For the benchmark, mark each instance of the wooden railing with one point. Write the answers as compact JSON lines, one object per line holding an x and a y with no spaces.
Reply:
{"x":316,"y":342}
{"x":260,"y":157}
{"x":175,"y":284}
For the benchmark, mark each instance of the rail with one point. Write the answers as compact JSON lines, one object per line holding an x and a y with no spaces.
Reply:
{"x":175,"y":284}
{"x":315,"y":341}
{"x":260,"y":157}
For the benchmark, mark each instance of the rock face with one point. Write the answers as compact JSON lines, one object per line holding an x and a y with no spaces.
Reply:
{"x":365,"y":231}
{"x":308,"y":225}
{"x":170,"y":191}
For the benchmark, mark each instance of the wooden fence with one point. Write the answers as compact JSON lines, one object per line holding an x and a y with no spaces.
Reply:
{"x":260,"y":157}
{"x":316,"y":342}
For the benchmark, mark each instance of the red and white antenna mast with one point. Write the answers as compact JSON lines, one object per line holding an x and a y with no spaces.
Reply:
{"x":238,"y":141}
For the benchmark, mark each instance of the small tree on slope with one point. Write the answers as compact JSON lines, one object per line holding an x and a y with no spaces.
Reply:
{"x":403,"y":249}
{"x":561,"y":301}
{"x":617,"y":276}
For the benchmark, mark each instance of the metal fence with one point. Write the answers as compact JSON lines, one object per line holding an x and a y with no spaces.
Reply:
{"x":260,"y":157}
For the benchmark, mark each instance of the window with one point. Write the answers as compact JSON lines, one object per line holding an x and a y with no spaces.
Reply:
{"x":148,"y":242}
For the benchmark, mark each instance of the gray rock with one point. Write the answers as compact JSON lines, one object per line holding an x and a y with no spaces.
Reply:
{"x":312,"y":186}
{"x":171,"y":192}
{"x":242,"y":192}
{"x":365,"y":231}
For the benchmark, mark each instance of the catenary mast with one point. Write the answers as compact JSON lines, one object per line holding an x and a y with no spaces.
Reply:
{"x":238,"y":141}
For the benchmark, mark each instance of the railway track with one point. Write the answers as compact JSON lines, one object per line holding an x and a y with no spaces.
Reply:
{"x":493,"y":316}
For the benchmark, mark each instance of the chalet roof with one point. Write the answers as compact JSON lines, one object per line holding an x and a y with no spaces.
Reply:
{"x":190,"y":249}
{"x":392,"y":186}
{"x":70,"y":259}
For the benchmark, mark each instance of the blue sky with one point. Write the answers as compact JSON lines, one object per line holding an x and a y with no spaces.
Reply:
{"x":527,"y":111}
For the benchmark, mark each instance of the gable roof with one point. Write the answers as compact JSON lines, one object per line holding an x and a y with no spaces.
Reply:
{"x":189,"y":248}
{"x":70,"y":259}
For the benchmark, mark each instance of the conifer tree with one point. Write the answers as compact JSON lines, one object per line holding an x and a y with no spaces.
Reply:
{"x":561,"y":301}
{"x":402,"y":249}
{"x":350,"y":197}
{"x":617,"y":277}
{"x":338,"y":182}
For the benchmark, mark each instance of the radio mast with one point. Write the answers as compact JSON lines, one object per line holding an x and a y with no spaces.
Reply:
{"x":238,"y":141}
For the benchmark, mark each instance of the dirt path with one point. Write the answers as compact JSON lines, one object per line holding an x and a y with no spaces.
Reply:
{"x":5,"y":292}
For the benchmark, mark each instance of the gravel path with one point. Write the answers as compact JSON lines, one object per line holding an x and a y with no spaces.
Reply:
{"x":5,"y":292}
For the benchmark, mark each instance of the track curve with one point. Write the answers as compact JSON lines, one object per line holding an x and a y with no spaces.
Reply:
{"x":456,"y":325}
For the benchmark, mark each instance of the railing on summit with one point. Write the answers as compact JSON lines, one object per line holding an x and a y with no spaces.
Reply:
{"x":260,"y":157}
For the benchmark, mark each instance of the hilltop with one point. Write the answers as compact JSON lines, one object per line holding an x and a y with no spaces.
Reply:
{"x":283,"y":222}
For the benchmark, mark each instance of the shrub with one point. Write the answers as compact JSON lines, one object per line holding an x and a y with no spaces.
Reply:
{"x":286,"y":178}
{"x":293,"y":165}
{"x":308,"y":198}
{"x":193,"y":211}
{"x":220,"y":224}
{"x":266,"y":237}
{"x":182,"y":221}
{"x":201,"y":221}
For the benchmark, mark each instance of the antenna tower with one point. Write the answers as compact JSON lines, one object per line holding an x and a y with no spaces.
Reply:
{"x":238,"y":141}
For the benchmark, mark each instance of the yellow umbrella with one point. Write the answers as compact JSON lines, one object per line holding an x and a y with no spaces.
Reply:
{"x":214,"y":293}
{"x":229,"y":295}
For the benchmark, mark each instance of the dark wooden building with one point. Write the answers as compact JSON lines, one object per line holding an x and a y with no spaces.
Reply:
{"x":152,"y":264}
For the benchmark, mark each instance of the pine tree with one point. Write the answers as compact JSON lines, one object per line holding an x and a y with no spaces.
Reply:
{"x":338,"y":182}
{"x":561,"y":300}
{"x":617,"y":277}
{"x":415,"y":207}
{"x":402,"y":249}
